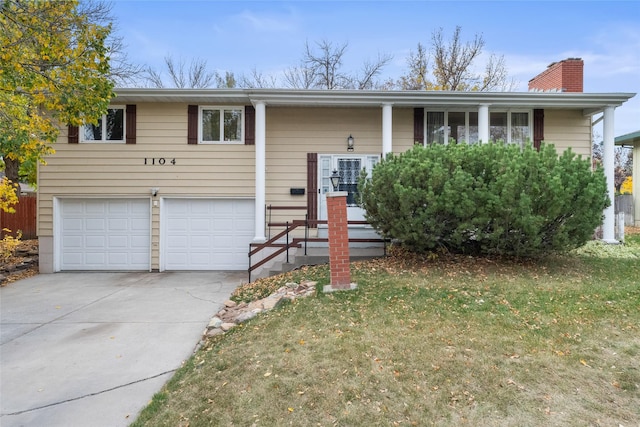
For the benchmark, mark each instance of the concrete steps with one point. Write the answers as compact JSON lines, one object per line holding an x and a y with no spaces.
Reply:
{"x":317,"y":255}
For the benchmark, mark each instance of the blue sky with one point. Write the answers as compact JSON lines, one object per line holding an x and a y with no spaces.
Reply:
{"x":269,"y":36}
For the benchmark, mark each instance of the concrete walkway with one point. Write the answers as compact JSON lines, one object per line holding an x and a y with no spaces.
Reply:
{"x":91,"y":349}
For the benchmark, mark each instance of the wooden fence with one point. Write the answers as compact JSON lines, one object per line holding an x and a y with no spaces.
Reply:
{"x":624,"y":203}
{"x":24,"y":219}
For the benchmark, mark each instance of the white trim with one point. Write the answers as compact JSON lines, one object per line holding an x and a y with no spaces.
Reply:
{"x":483,"y":124}
{"x":608,"y":156}
{"x":367,"y":161}
{"x":261,"y":171}
{"x":589,"y":102}
{"x":221,"y":109}
{"x":103,"y":118}
{"x":57,"y":223}
{"x":57,"y":228}
{"x":163,"y":230}
{"x":387,"y":129}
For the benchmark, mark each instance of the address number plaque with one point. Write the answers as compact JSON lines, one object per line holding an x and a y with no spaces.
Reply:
{"x":154,"y":161}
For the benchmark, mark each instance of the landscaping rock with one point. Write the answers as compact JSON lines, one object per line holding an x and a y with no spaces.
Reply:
{"x":245,"y":316}
{"x":214,"y":323}
{"x":226,"y":326}
{"x":214,"y":332}
{"x":271,"y":301}
{"x":234,"y":314}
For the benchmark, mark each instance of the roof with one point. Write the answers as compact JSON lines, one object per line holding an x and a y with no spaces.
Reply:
{"x":591,"y":103}
{"x":628,"y":139}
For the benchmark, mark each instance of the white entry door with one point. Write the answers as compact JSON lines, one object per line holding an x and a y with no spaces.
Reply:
{"x":349,"y":167}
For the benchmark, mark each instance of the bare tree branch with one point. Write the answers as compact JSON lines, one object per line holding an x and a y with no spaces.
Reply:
{"x":453,"y":60}
{"x":370,"y":70}
{"x":196,"y":76}
{"x":153,"y":78}
{"x":123,"y":72}
{"x":452,"y":67}
{"x":326,"y":65}
{"x":417,"y":78}
{"x":257,"y":80}
{"x":299,"y":78}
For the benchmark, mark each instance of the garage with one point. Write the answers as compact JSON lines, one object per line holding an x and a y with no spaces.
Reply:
{"x":104,"y":234}
{"x":206,"y":234}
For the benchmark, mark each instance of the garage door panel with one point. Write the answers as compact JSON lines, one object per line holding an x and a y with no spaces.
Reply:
{"x":140,"y":243}
{"x":118,"y":242}
{"x":119,"y":224}
{"x":105,"y":234}
{"x":92,"y":224}
{"x":95,"y":207}
{"x":206,"y":234}
{"x":72,"y":224}
{"x":199,"y":225}
{"x":139,"y":224}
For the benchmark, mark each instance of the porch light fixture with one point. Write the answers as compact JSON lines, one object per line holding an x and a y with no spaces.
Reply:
{"x":154,"y":191}
{"x":335,"y":180}
{"x":350,"y":143}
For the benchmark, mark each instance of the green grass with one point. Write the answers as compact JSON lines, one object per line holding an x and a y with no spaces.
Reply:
{"x":447,"y":341}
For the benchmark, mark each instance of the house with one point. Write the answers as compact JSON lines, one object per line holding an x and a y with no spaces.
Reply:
{"x":633,"y":140}
{"x":178,"y":179}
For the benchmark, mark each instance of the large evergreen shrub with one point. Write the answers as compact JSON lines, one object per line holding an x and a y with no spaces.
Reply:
{"x":488,"y":198}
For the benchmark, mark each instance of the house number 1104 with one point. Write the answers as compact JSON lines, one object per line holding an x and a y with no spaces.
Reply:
{"x":159,"y":161}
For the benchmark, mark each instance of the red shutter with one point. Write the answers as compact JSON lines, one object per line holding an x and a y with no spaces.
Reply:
{"x":312,"y":187}
{"x":249,"y":125}
{"x":131,"y":124}
{"x":192,"y":124}
{"x":538,"y":128}
{"x":418,"y":126}
{"x":72,"y":134}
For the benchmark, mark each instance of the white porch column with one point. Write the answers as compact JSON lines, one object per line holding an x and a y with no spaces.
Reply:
{"x":261,"y":186}
{"x":483,"y":123}
{"x":608,"y":155}
{"x":387,"y":129}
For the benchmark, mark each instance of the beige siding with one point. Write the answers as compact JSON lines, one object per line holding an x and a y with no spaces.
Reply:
{"x":119,"y":170}
{"x":294,"y":132}
{"x":568,"y":128}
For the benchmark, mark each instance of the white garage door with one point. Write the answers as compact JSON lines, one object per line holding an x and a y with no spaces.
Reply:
{"x":105,"y":234}
{"x":206,"y":234}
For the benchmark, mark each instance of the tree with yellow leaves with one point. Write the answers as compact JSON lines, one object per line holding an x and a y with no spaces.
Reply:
{"x":453,"y":66}
{"x":627,"y":186}
{"x":8,"y":197}
{"x":54,"y":71}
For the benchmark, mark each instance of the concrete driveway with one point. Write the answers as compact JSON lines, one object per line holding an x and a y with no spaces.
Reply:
{"x":91,"y":349}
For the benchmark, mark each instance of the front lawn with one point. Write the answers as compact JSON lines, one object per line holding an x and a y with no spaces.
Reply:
{"x":448,"y":340}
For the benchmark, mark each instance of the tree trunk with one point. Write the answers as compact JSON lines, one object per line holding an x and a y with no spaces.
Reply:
{"x":11,"y":168}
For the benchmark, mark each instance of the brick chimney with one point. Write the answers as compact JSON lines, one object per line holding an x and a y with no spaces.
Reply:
{"x":563,"y":76}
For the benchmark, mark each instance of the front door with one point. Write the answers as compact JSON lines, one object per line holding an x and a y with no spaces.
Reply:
{"x":349,"y":167}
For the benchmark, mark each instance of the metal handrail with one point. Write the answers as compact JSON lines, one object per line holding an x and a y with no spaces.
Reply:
{"x":255,"y":248}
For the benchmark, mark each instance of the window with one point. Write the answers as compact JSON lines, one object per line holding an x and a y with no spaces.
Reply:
{"x":435,"y":127}
{"x":462,"y":127}
{"x":498,"y":126}
{"x":520,"y":129}
{"x":110,"y":128}
{"x":221,"y":125}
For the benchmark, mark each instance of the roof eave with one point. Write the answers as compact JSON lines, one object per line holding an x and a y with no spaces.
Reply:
{"x":590,"y":102}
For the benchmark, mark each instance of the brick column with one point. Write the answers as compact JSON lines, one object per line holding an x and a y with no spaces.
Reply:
{"x":338,"y":242}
